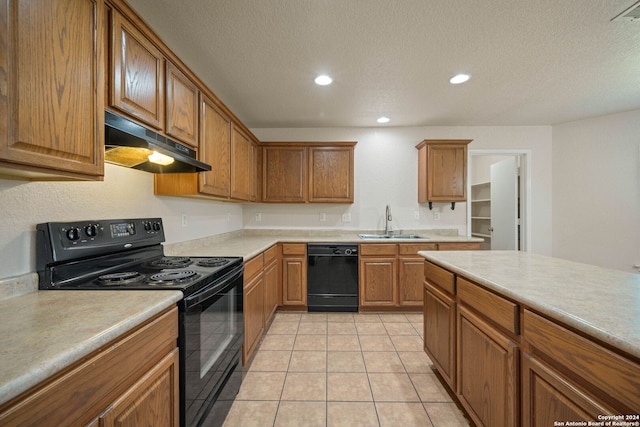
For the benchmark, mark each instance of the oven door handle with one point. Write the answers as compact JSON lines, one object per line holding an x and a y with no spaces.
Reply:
{"x":223,"y":285}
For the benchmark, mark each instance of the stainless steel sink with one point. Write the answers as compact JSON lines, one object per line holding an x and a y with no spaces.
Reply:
{"x":390,"y":236}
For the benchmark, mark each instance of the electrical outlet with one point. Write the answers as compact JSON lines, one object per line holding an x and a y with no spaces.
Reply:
{"x":436,"y":216}
{"x":184,"y":220}
{"x":346,"y":217}
{"x":416,"y":215}
{"x":228,"y":217}
{"x":258,"y":217}
{"x":323,"y":217}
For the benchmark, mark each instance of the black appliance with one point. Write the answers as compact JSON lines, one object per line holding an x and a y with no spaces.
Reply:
{"x":332,"y":277}
{"x":127,"y":254}
{"x":129,"y":144}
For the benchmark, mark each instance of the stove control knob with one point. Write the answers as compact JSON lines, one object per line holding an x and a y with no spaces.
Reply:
{"x":147,"y":226}
{"x":156,"y":226}
{"x":91,"y":230}
{"x":73,"y":233}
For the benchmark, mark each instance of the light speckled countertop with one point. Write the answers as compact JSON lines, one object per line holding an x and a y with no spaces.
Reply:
{"x":249,"y":243}
{"x":601,"y":302}
{"x":44,"y":332}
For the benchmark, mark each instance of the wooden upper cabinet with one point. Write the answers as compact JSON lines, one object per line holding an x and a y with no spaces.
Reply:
{"x":242,"y":169}
{"x":331,"y":174}
{"x":137,"y":75}
{"x":52,"y":89}
{"x":182,"y":107}
{"x":442,"y":170}
{"x":284,"y":174}
{"x":215,"y":149}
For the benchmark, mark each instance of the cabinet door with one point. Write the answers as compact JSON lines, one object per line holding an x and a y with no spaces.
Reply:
{"x":137,"y":76}
{"x":410,"y":281}
{"x":294,"y":281}
{"x":377,"y":282}
{"x":153,"y":400}
{"x":215,"y":149}
{"x":182,"y":107}
{"x":253,"y":314}
{"x":284,"y":174}
{"x":440,"y":332}
{"x":52,"y":88}
{"x":548,"y":397}
{"x":270,"y":290}
{"x":447,"y":172}
{"x":331,"y":174}
{"x":487,"y":372}
{"x":240,"y":165}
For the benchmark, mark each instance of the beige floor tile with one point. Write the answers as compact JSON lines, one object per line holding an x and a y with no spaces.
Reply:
{"x":310,"y":342}
{"x":262,"y":386}
{"x":393,"y":414}
{"x":351,"y":414}
{"x":392,"y":387}
{"x":277,"y":342}
{"x":394,"y":318}
{"x":429,"y":388}
{"x":400,"y":328}
{"x":345,"y":361}
{"x":340,"y":317}
{"x":348,"y":387}
{"x":341,"y":328}
{"x":366,"y":318}
{"x":446,"y":415}
{"x":250,"y":414}
{"x":298,"y":414}
{"x":376,"y":343}
{"x":408,"y":343}
{"x":305,"y":386}
{"x":371,"y":328}
{"x":343,"y":343}
{"x":382,"y":361}
{"x":308,"y":361}
{"x":415,"y":317}
{"x":313,"y":317}
{"x":270,"y":360}
{"x":283,"y":328}
{"x":416,"y":362}
{"x":287,"y":316}
{"x":313,"y":328}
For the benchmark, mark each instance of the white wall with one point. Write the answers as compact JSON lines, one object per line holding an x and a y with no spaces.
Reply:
{"x":386,"y":169}
{"x":124,"y":193}
{"x":596,"y":190}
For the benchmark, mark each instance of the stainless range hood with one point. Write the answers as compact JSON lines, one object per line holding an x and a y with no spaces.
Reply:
{"x":130,"y":145}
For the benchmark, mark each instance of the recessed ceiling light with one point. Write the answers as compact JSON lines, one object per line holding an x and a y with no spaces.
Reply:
{"x":459,"y":78}
{"x":323,"y":80}
{"x":383,"y":120}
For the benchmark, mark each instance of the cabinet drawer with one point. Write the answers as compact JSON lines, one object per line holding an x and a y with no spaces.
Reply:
{"x":270,"y":254}
{"x":378,"y":249}
{"x":439,"y":276}
{"x":253,"y":267}
{"x":294,"y":249}
{"x":413,"y":248}
{"x":465,"y":246}
{"x":613,"y":376}
{"x":494,"y":307}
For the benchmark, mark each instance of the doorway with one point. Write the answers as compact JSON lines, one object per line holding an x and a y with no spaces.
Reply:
{"x":499,"y":191}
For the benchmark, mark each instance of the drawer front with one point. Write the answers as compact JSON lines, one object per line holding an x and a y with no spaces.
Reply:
{"x":613,"y":376}
{"x":440,"y":277}
{"x":413,"y":248}
{"x":270,"y":254}
{"x":378,"y":249}
{"x":465,"y":246}
{"x":253,"y":267}
{"x":294,"y":249}
{"x":499,"y":310}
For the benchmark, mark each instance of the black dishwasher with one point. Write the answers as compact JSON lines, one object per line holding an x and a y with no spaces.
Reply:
{"x":332,"y":277}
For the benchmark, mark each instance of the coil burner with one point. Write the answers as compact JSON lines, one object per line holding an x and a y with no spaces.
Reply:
{"x":173,"y":277}
{"x":212,"y":262}
{"x":120,"y":279}
{"x":172,"y":262}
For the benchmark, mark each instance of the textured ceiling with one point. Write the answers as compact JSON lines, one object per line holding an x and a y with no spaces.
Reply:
{"x":536,"y":62}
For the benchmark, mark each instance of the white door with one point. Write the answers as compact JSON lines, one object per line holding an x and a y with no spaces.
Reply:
{"x":504,"y":205}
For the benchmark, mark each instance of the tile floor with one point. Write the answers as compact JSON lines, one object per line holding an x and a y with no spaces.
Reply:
{"x":343,"y":369}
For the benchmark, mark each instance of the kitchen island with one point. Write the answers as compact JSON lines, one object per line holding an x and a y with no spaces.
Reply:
{"x":524,"y":339}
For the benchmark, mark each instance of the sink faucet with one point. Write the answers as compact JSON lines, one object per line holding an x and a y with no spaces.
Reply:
{"x":387,"y":218}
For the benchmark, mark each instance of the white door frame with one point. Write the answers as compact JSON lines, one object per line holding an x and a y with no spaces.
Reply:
{"x":525,"y":188}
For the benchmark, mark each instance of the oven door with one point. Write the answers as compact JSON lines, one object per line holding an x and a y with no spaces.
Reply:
{"x":211,"y":347}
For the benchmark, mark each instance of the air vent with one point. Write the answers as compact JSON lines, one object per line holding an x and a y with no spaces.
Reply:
{"x":630,"y":14}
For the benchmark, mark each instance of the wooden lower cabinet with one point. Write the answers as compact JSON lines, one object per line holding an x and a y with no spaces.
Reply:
{"x":253,"y":314}
{"x":410,"y":278}
{"x":294,"y":274}
{"x":271,"y":283}
{"x":487,"y":371}
{"x":132,"y":380}
{"x":440,"y":331}
{"x":378,"y":282}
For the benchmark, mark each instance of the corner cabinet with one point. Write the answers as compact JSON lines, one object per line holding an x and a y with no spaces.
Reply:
{"x":442,"y":170}
{"x":52,"y":89}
